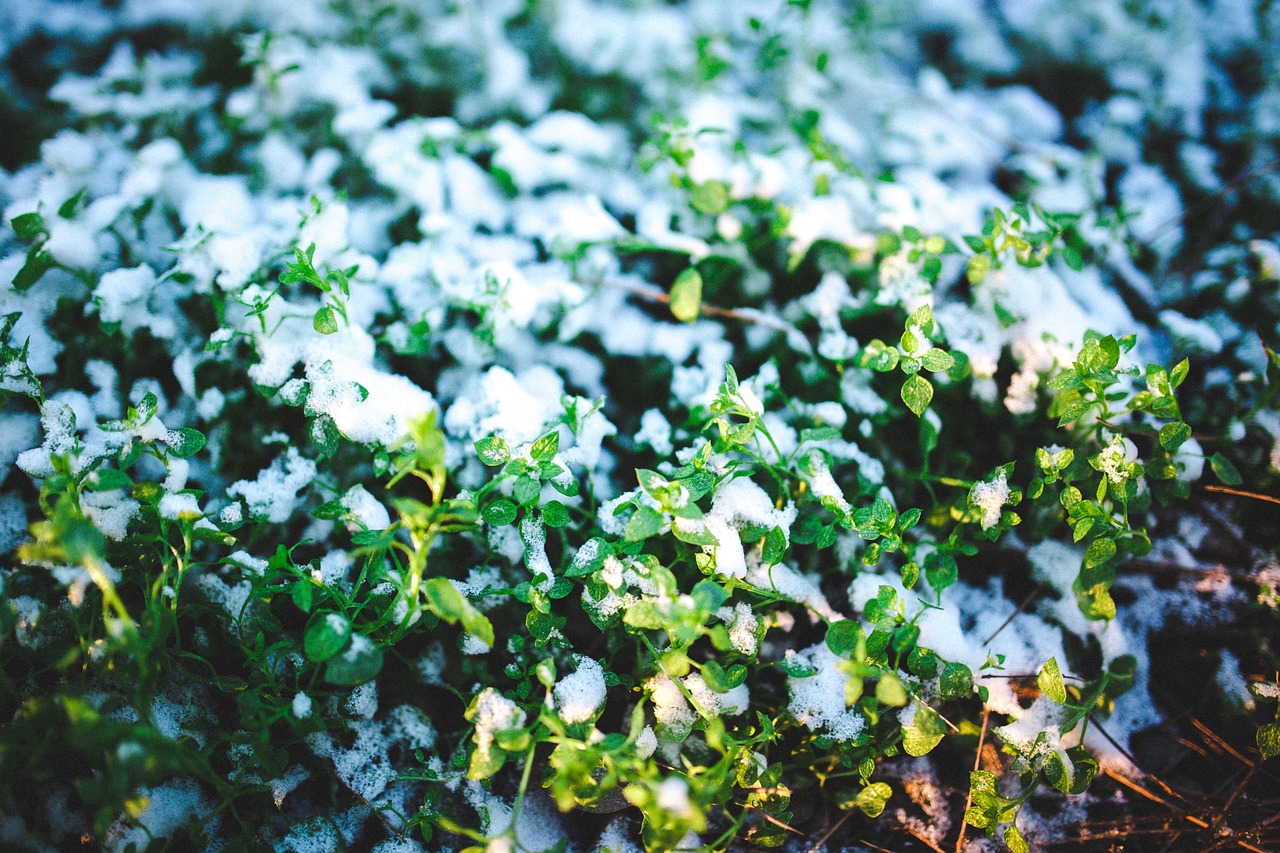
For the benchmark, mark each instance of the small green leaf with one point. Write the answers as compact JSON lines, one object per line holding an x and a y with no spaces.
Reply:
{"x":1099,"y":551}
{"x":546,"y":447}
{"x":1050,"y":682}
{"x":184,"y":442}
{"x":1225,"y":470}
{"x":499,"y":513}
{"x":721,"y":680}
{"x":916,"y":393}
{"x":979,"y":267}
{"x":38,"y":263}
{"x":872,"y":799}
{"x":444,"y":599}
{"x":326,"y":636}
{"x":360,"y":663}
{"x":554,"y":514}
{"x":329,"y":510}
{"x":843,"y":637}
{"x":1174,"y":435}
{"x":956,"y":681}
{"x":302,"y":595}
{"x":644,"y":522}
{"x":325,"y":321}
{"x":1269,"y":740}
{"x":653,"y":483}
{"x":925,"y":732}
{"x":28,"y":226}
{"x":107,"y":479}
{"x":709,"y":595}
{"x":922,"y":317}
{"x":910,"y":574}
{"x":686,"y":295}
{"x":775,"y":545}
{"x":492,"y":451}
{"x":710,"y":197}
{"x":889,"y":691}
{"x":526,"y":490}
{"x":937,"y":359}
{"x":1013,"y":838}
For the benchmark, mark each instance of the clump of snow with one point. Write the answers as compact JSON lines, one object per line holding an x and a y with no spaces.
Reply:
{"x":671,"y":711}
{"x":989,"y":496}
{"x":737,"y":502}
{"x":494,"y":713}
{"x":817,"y":701}
{"x":580,"y":694}
{"x":712,"y":704}
{"x":274,"y":494}
{"x":743,"y":626}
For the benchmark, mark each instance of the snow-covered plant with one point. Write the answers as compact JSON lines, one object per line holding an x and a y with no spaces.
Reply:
{"x":423,"y":421}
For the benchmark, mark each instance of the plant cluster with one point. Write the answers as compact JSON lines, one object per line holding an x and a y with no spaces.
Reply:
{"x":427,"y":419}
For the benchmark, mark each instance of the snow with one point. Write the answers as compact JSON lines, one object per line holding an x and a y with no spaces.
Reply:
{"x":495,"y":287}
{"x":817,"y":701}
{"x":274,"y":493}
{"x":580,"y":694}
{"x":737,"y":502}
{"x":494,"y":713}
{"x":365,"y":509}
{"x":743,"y":626}
{"x":671,"y":711}
{"x":990,"y":496}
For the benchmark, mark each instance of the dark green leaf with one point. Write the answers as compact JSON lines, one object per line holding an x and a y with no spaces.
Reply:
{"x":327,"y":635}
{"x":644,"y":522}
{"x":1174,"y":435}
{"x":500,"y":512}
{"x":106,"y":479}
{"x":775,"y":545}
{"x":361,"y":662}
{"x":184,"y":442}
{"x":329,"y":510}
{"x":526,"y":490}
{"x":709,"y":595}
{"x":1225,"y":470}
{"x":38,"y":263}
{"x":956,"y":681}
{"x":28,"y":226}
{"x":554,"y":514}
{"x":843,"y":637}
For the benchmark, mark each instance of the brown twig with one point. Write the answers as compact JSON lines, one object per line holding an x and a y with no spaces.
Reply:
{"x":771,"y":819}
{"x":1226,"y":490}
{"x":817,"y":845}
{"x":977,"y":762}
{"x":1026,"y":602}
{"x":744,"y":315}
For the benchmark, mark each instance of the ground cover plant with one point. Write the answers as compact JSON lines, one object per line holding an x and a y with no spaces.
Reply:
{"x":598,"y":426}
